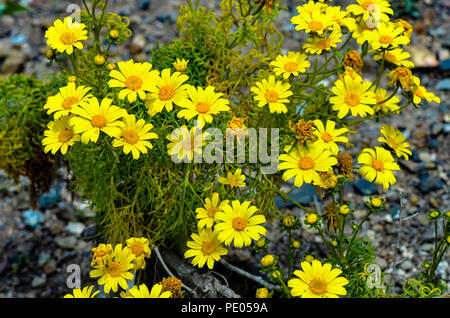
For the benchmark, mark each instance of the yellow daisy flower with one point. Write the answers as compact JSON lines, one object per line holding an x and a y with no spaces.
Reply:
{"x":311,"y":6}
{"x":387,"y":35}
{"x":180,"y":65}
{"x":328,"y":136}
{"x":185,"y":143}
{"x":94,"y":117}
{"x":361,"y":30}
{"x":203,"y":104}
{"x":86,"y":292}
{"x":419,"y":92}
{"x":293,"y":63}
{"x":317,"y":22}
{"x":135,"y":79}
{"x":390,"y":105}
{"x":239,"y":224}
{"x":317,"y":281}
{"x":140,"y":248}
{"x":101,"y":255}
{"x":60,"y":135}
{"x":235,"y":179}
{"x":142,"y":291}
{"x":341,"y":18}
{"x":134,"y":136}
{"x":237,"y":128}
{"x":68,"y":98}
{"x":167,"y":91}
{"x":396,"y":56}
{"x":319,"y":44}
{"x":63,"y":36}
{"x":272,"y":93}
{"x":206,"y":214}
{"x":205,"y":248}
{"x":395,"y":140}
{"x":377,"y":166}
{"x":352,"y":95}
{"x":117,"y":270}
{"x":305,"y":164}
{"x":372,"y":9}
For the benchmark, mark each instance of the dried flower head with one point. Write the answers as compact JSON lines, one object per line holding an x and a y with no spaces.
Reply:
{"x":332,"y":217}
{"x":303,"y":131}
{"x":353,"y":59}
{"x":173,"y":285}
{"x":401,"y":76}
{"x":345,"y":164}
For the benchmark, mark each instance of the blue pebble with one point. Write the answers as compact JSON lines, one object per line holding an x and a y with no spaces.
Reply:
{"x":365,"y":187}
{"x":443,"y":85}
{"x":32,"y":218}
{"x":445,"y":65}
{"x":303,"y":195}
{"x":144,"y":4}
{"x":51,"y":199}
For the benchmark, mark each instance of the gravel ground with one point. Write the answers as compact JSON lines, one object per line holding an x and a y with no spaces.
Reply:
{"x":33,"y":262}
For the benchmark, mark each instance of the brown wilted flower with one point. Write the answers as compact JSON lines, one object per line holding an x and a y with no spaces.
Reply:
{"x":332,"y":217}
{"x":328,"y":180}
{"x":267,"y":3}
{"x":236,"y":127}
{"x":407,"y":28}
{"x":173,"y":285}
{"x":345,"y":164}
{"x":353,"y":59}
{"x":401,"y":76}
{"x":303,"y":131}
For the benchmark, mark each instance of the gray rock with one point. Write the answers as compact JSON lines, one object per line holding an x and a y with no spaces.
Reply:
{"x":68,"y":242}
{"x":50,"y":267}
{"x":43,"y":259}
{"x":381,"y":262}
{"x":430,"y":183}
{"x":75,"y":228}
{"x":407,"y":266}
{"x":13,"y":62}
{"x":39,"y":281}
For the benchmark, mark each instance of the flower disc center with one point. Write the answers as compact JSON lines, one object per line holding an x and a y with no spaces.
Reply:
{"x":378,"y":165}
{"x":166,"y":92}
{"x":130,"y":137}
{"x":98,"y":121}
{"x":133,"y":82}
{"x":202,"y":107}
{"x":306,"y":163}
{"x":68,"y":38}
{"x":271,"y":96}
{"x":65,"y":135}
{"x":318,"y":286}
{"x":69,"y":101}
{"x":352,"y":99}
{"x":239,"y":223}
{"x":208,"y":247}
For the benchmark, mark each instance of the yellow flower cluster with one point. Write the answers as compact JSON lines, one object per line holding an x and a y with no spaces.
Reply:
{"x":116,"y":267}
{"x":219,"y":225}
{"x":368,"y":22}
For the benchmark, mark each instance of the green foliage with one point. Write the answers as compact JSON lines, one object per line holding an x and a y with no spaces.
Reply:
{"x":11,"y":8}
{"x":22,"y":123}
{"x":200,"y":60}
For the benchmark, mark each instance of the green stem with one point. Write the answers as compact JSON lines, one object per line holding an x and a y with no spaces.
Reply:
{"x":356,"y":232}
{"x":291,"y":261}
